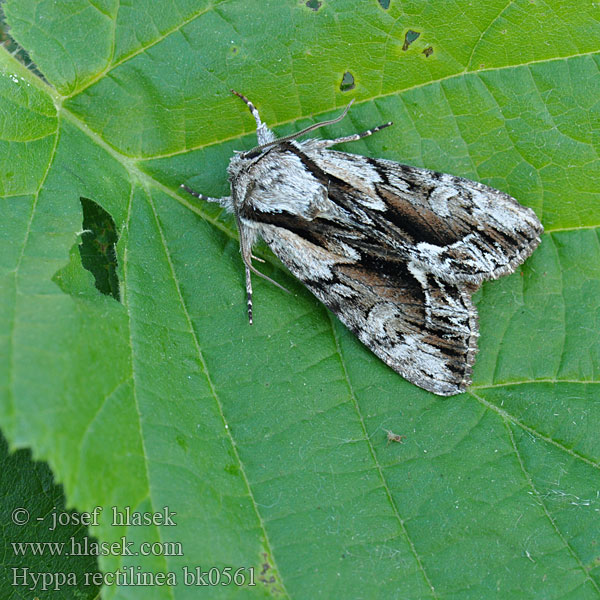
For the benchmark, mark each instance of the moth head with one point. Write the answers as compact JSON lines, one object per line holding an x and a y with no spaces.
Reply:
{"x":237,"y":164}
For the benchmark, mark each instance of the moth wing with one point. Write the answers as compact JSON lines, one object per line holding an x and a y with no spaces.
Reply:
{"x":428,"y":333}
{"x":458,"y":229}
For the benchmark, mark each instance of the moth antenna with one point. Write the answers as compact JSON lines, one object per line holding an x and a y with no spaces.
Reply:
{"x":354,"y":137}
{"x":199,"y":195}
{"x":263,"y":133}
{"x":313,"y":126}
{"x":251,"y":106}
{"x":293,"y":136}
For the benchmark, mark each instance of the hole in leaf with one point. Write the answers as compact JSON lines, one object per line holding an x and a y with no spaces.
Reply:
{"x":428,"y":51}
{"x":347,"y":82}
{"x":409,"y":38}
{"x":385,"y":4}
{"x":314,"y":4}
{"x":97,"y":248}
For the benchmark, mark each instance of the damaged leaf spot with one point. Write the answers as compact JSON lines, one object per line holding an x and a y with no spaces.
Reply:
{"x":409,"y":38}
{"x":182,"y":442}
{"x":347,"y":82}
{"x":314,"y":4}
{"x":232,"y":469}
{"x":385,"y":4}
{"x":267,"y":576}
{"x":97,"y":248}
{"x":428,"y":51}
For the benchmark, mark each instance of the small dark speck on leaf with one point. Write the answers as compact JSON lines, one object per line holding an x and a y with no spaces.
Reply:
{"x":314,"y":4}
{"x":409,"y":38}
{"x":347,"y":82}
{"x":232,"y":469}
{"x":385,"y":4}
{"x":428,"y":51}
{"x":182,"y":442}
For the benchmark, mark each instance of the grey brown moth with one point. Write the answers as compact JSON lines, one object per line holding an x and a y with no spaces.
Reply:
{"x":394,"y":251}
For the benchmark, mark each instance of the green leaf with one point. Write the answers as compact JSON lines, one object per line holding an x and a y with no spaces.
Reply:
{"x":34,"y":515}
{"x":269,"y":442}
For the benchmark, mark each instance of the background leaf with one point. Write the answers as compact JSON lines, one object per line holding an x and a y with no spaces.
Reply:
{"x":269,"y":441}
{"x":33,"y":511}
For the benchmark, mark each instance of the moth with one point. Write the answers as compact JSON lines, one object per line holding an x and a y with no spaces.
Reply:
{"x":394,"y":251}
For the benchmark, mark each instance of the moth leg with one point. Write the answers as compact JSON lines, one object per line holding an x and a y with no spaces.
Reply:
{"x":249,"y":292}
{"x":257,"y":272}
{"x":246,"y":250}
{"x":354,"y":137}
{"x":225,"y":201}
{"x":263,"y":133}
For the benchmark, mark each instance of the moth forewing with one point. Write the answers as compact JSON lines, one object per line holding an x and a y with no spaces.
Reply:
{"x":394,"y":251}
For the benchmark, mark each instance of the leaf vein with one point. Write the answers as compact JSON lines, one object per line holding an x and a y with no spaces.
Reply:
{"x":213,"y":390}
{"x":376,"y":462}
{"x":546,"y":512}
{"x":506,"y":415}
